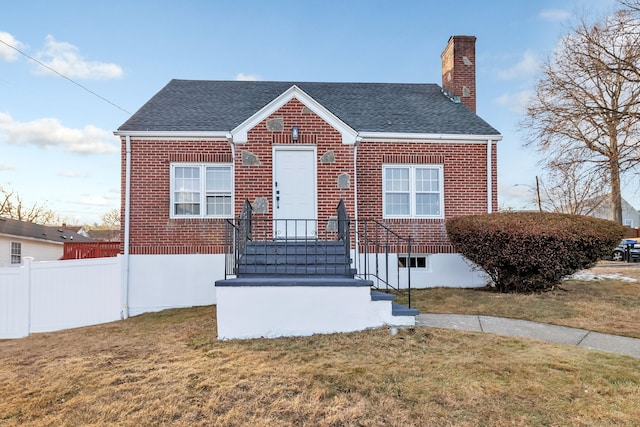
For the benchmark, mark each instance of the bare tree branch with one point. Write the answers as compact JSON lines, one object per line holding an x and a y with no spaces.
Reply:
{"x":586,"y":107}
{"x":111,"y":219}
{"x":573,"y":187}
{"x":633,"y":5}
{"x":12,"y":206}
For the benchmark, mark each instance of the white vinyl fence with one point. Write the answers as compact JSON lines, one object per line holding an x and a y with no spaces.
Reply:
{"x":54,"y":295}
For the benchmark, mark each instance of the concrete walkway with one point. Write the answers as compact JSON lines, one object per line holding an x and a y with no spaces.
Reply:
{"x":535,"y":330}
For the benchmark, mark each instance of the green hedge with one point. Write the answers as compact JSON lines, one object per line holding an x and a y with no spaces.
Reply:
{"x":532,"y":251}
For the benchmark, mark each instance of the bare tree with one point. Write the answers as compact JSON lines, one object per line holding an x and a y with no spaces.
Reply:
{"x":573,"y":188}
{"x":111,"y":219}
{"x":633,"y":5}
{"x":586,"y":107}
{"x":12,"y":206}
{"x":5,"y":202}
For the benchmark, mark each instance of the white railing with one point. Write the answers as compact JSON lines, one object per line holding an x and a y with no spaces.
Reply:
{"x":56,"y":295}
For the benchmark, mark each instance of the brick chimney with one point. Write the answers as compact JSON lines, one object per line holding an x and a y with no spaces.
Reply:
{"x":459,"y":69}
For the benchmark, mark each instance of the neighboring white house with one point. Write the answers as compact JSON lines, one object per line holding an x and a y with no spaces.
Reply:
{"x":19,"y":239}
{"x":630,"y":215}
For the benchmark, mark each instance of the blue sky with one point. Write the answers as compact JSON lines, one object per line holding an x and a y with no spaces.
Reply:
{"x":56,"y":138}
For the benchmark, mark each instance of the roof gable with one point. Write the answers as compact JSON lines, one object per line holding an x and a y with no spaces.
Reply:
{"x":239,"y":134}
{"x":220,"y":107}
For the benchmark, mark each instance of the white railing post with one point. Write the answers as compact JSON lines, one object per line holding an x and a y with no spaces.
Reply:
{"x":27,"y":274}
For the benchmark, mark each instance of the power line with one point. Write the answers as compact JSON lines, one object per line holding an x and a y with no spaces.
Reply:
{"x":65,"y":77}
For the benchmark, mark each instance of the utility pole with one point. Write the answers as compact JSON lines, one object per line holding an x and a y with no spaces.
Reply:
{"x":538,"y":193}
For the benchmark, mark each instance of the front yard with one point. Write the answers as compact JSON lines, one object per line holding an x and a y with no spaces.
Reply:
{"x":168,"y":368}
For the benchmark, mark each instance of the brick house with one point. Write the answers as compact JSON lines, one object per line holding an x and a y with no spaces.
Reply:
{"x":407,"y":155}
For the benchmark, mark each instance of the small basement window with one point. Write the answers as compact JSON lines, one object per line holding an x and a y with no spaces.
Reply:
{"x":418,"y":261}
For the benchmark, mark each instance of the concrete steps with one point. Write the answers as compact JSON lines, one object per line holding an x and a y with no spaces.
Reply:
{"x":295,"y":258}
{"x":396,"y":309}
{"x":294,"y":288}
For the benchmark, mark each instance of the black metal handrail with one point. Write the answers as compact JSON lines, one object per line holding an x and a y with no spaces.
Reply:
{"x":288,"y":246}
{"x":297,"y":246}
{"x":245,"y":220}
{"x":237,"y":233}
{"x":344,"y":227}
{"x":380,"y":243}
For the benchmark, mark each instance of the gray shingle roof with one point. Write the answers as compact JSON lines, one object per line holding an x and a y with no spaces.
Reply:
{"x":220,"y":106}
{"x":13,"y":227}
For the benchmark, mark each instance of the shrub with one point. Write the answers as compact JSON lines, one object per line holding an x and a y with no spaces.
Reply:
{"x":532,"y":251}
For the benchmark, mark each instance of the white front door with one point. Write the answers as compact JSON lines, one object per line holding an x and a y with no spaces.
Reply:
{"x":294,"y":191}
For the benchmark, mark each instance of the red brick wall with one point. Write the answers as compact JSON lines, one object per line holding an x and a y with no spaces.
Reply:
{"x":465,"y":185}
{"x":153,"y":232}
{"x":257,"y":181}
{"x":151,"y":229}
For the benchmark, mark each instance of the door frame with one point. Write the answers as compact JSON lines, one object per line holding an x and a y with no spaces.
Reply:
{"x":274,"y":166}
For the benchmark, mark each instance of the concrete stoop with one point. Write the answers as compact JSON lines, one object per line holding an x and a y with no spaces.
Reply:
{"x":270,"y":307}
{"x":299,"y":288}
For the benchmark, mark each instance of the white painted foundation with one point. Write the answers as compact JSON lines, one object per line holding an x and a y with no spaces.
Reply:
{"x":158,"y":282}
{"x":443,"y":270}
{"x":276,"y":311}
{"x":447,"y":271}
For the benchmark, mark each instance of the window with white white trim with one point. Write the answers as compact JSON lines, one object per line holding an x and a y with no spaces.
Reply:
{"x":201,"y":190}
{"x":412,"y":191}
{"x":16,"y":253}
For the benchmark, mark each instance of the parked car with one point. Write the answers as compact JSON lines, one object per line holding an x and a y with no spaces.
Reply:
{"x":620,"y":254}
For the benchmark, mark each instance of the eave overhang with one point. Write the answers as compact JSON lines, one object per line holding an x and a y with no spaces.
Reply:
{"x":425,"y":137}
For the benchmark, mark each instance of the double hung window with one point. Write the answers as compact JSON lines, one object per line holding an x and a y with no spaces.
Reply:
{"x":16,"y":253}
{"x":412,"y":191}
{"x":201,"y":190}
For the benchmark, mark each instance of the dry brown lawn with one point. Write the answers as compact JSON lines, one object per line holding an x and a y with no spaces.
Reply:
{"x":607,"y":306}
{"x":168,"y":369}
